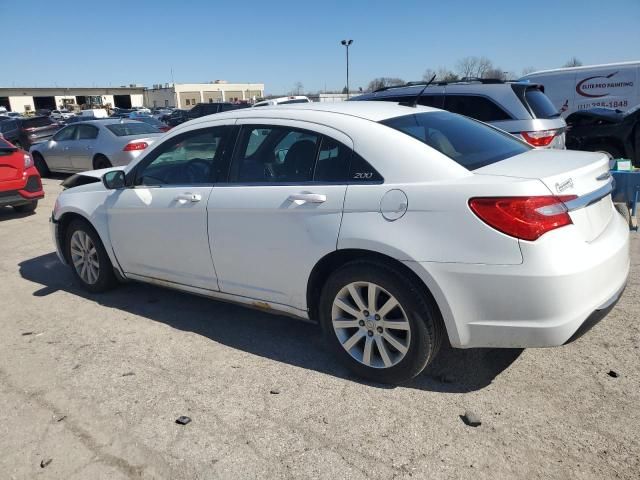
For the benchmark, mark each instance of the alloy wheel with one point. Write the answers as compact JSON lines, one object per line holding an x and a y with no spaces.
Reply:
{"x":371,"y":325}
{"x":84,"y":257}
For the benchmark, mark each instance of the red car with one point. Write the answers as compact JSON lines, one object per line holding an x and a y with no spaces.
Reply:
{"x":20,"y":185}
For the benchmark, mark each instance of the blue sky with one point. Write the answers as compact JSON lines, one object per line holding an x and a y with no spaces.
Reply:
{"x":97,"y":42}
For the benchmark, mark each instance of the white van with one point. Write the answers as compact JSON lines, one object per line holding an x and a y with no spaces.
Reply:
{"x":614,"y":85}
{"x":94,"y":112}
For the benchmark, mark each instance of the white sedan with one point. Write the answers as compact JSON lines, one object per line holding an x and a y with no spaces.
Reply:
{"x":391,"y":225}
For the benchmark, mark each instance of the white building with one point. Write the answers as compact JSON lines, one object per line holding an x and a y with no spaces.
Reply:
{"x":186,"y":95}
{"x":25,"y":99}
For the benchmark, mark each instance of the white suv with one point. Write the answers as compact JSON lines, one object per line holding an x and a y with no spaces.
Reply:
{"x":519,"y":108}
{"x":392,"y":226}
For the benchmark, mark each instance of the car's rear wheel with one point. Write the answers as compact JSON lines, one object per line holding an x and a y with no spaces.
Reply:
{"x":41,"y":164}
{"x":26,"y":207}
{"x":101,"y":162}
{"x":88,"y":258}
{"x":378,"y":323}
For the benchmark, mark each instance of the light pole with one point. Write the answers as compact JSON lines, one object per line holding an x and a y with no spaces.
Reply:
{"x":346,"y":43}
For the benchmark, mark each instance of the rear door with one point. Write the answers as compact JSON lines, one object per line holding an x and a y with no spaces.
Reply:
{"x":81,"y":151}
{"x":281,"y":210}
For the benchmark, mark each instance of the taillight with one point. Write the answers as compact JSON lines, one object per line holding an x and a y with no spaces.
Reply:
{"x":541,"y":138}
{"x":28,"y":161}
{"x":526,"y":218}
{"x":133,"y":146}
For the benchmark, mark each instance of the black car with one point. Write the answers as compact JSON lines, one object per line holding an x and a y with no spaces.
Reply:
{"x":9,"y":129}
{"x":176,"y":118}
{"x":606,"y":130}
{"x":202,"y":109}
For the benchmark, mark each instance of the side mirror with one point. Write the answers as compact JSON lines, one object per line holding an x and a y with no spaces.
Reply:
{"x":114,"y":180}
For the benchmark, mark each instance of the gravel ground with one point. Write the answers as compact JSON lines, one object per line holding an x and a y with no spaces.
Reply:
{"x":94,"y":383}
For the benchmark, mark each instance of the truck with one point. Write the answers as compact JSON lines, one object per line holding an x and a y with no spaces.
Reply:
{"x":613,"y":85}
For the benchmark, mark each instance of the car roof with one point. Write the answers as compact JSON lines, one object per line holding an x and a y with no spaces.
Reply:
{"x":107,"y":121}
{"x":374,"y":111}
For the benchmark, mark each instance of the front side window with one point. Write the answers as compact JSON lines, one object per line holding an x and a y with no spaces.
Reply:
{"x":190,"y":159}
{"x":467,"y":142}
{"x":275,"y":155}
{"x":86,"y":132}
{"x":67,"y":133}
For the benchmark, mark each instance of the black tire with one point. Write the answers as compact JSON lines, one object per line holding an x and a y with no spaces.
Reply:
{"x":106,"y":278}
{"x":100,"y":161}
{"x":424,"y":318}
{"x":40,"y":164}
{"x":27,"y":207}
{"x":623,"y":209}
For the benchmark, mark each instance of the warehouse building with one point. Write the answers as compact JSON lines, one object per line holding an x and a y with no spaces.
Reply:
{"x":26,"y":99}
{"x":186,"y":95}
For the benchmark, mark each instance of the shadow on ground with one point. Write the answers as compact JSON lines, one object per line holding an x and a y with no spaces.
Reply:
{"x":271,"y":336}
{"x":8,"y":213}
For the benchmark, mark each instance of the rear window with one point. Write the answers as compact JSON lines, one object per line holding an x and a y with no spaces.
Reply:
{"x":36,"y":122}
{"x":540,"y":104}
{"x":131,"y":128}
{"x":467,"y":142}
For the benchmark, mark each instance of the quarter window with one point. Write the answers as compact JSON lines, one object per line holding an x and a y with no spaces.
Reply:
{"x":190,"y":159}
{"x":333,"y":162}
{"x":275,"y":155}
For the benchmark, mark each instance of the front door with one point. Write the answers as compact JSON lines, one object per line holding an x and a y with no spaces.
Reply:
{"x":56,"y":150}
{"x":281,"y":210}
{"x":158,"y":227}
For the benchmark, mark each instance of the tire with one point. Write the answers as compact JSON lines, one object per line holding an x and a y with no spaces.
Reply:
{"x":41,"y":165}
{"x":418,"y":326}
{"x":27,"y":207}
{"x":615,"y":152}
{"x":623,"y":209}
{"x":100,"y":161}
{"x":94,"y":279}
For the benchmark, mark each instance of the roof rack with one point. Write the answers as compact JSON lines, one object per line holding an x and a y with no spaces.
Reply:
{"x":487,"y":81}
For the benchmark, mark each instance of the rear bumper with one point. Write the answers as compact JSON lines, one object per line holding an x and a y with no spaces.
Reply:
{"x":563,"y":287}
{"x":28,"y":191}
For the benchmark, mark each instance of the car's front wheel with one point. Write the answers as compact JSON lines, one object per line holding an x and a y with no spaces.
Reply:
{"x":88,"y":258}
{"x":378,"y":322}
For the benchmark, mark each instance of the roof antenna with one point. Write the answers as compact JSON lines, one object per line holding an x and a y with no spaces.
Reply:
{"x":414,"y":102}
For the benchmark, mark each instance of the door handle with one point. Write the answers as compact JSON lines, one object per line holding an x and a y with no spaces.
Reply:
{"x":300,"y":198}
{"x":188,"y":197}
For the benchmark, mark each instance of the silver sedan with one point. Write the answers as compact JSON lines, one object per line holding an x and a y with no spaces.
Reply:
{"x":92,"y":145}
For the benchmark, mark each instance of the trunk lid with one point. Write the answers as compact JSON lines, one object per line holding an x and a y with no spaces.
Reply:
{"x":566,"y":172}
{"x":11,"y":162}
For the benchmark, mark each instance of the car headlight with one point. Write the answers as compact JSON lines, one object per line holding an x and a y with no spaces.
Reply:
{"x":28,"y":161}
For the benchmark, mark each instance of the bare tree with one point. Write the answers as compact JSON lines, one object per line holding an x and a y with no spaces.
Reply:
{"x":496,"y":73}
{"x":298,"y":88}
{"x":573,"y":62}
{"x":467,"y":66}
{"x":381,"y":82}
{"x":528,"y":70}
{"x":446,"y":75}
{"x":428,"y":73}
{"x":484,"y":65}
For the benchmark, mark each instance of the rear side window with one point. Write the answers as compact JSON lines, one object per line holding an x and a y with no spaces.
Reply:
{"x":333,"y":162}
{"x":468,"y":143}
{"x":87,"y":132}
{"x":480,"y":108}
{"x":540,"y":104}
{"x":36,"y":122}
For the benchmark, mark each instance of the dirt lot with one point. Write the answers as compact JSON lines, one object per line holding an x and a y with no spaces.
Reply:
{"x":95,"y":384}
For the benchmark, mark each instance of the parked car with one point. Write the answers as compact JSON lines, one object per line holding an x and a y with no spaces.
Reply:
{"x":11,"y":114}
{"x":20,"y":185}
{"x":283,"y":101}
{"x":519,"y":108}
{"x":45,"y":112}
{"x":163,"y":127}
{"x":392,"y":226}
{"x":94,"y":112}
{"x":33,"y":130}
{"x":93,"y":144}
{"x":177,"y":117}
{"x":606,"y":130}
{"x":614,"y":85}
{"x":61,"y":114}
{"x":202,"y":109}
{"x":160,"y":113}
{"x":9,"y":130}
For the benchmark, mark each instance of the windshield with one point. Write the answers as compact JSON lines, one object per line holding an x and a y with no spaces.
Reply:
{"x":469,"y":143}
{"x":540,"y":104}
{"x":131,"y":128}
